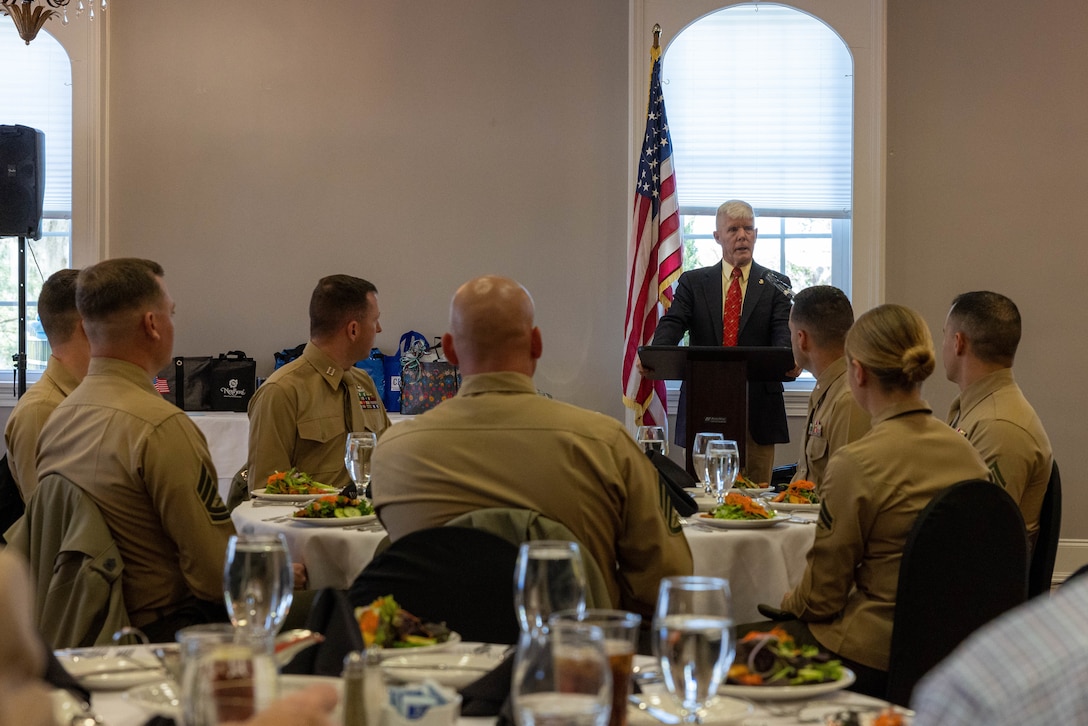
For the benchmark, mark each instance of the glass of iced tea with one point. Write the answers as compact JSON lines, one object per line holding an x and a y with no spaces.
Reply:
{"x":620,"y":631}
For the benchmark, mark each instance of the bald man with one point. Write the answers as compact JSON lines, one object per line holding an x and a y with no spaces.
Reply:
{"x":498,"y":443}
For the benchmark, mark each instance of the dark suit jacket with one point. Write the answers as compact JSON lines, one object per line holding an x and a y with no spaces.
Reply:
{"x":764,"y":320}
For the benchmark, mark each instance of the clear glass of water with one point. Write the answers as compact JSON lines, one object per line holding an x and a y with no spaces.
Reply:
{"x":548,"y":577}
{"x":652,"y":438}
{"x":722,"y":466}
{"x":357,"y":452}
{"x":698,"y":457}
{"x":693,"y":639}
{"x":257,"y":583}
{"x":562,"y":677}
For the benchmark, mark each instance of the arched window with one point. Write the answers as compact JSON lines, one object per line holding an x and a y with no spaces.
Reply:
{"x":36,"y":91}
{"x":760,"y":105}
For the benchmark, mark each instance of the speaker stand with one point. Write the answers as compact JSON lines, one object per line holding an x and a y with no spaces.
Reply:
{"x":20,"y":357}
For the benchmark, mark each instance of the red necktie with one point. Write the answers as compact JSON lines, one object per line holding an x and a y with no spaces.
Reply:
{"x":731,"y":314}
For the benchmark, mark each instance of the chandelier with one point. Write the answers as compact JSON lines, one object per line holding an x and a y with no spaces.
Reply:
{"x":30,"y":15}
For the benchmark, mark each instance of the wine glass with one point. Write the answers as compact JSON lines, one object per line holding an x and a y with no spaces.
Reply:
{"x":357,"y":452}
{"x":693,"y":639}
{"x":258,"y":581}
{"x":562,"y":676}
{"x":652,"y":438}
{"x":548,"y":576}
{"x":722,"y":466}
{"x":698,"y":457}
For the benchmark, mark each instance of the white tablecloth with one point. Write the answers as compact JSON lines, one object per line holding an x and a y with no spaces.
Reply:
{"x":760,"y":564}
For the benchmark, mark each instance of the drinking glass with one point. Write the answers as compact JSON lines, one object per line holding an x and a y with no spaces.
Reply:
{"x":693,"y":639}
{"x":257,"y":583}
{"x":652,"y":438}
{"x":722,"y":465}
{"x":698,"y":457}
{"x":357,"y":452}
{"x":225,"y":675}
{"x":620,"y":630}
{"x":562,"y":676}
{"x":548,"y":577}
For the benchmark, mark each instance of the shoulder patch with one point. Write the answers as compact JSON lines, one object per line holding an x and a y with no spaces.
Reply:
{"x":672,"y":517}
{"x":825,"y":520}
{"x":996,"y":476}
{"x":208,"y":491}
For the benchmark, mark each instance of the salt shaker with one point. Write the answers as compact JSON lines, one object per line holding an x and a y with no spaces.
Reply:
{"x":355,"y":672}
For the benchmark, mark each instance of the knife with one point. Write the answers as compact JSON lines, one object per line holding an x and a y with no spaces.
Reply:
{"x":435,"y":667}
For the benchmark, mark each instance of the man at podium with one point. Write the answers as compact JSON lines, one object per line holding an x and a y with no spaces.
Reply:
{"x":735,"y":303}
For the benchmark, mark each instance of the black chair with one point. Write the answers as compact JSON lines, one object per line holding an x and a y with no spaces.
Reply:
{"x":964,"y":563}
{"x":1041,"y":574}
{"x":11,"y":500}
{"x":463,"y":577}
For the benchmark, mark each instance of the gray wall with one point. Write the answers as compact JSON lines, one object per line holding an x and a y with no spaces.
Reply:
{"x":255,"y":147}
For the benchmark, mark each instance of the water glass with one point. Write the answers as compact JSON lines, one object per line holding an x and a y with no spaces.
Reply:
{"x":562,"y":677}
{"x":722,"y":465}
{"x":258,"y":582}
{"x":620,"y":630}
{"x":548,"y":576}
{"x":358,"y":450}
{"x":652,"y":438}
{"x":698,"y":456}
{"x":693,"y":639}
{"x":225,"y":675}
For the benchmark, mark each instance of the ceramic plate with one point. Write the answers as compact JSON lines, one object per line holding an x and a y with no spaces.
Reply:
{"x":335,"y":521}
{"x":454,"y":639}
{"x":290,"y":497}
{"x":740,"y":523}
{"x":719,"y":710}
{"x":164,"y":698}
{"x":100,"y":669}
{"x":455,"y":670}
{"x":788,"y":693}
{"x":786,"y":507}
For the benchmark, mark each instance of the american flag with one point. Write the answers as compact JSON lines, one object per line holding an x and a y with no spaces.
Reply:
{"x":653,"y":252}
{"x":161,"y":385}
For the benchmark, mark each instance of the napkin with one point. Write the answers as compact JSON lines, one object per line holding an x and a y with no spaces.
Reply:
{"x":332,"y":616}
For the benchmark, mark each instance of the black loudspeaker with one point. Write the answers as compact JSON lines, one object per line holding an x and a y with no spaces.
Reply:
{"x":22,"y":181}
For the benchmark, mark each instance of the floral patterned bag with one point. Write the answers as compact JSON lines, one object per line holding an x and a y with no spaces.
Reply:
{"x":426,"y":379}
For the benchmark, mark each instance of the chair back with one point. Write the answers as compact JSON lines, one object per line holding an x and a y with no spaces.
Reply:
{"x":11,"y":500}
{"x":522,"y":525}
{"x":76,"y":565}
{"x":463,"y":577}
{"x":1045,"y":553}
{"x":964,"y":563}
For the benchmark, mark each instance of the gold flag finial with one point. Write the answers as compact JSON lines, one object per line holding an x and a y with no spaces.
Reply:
{"x":657,"y":36}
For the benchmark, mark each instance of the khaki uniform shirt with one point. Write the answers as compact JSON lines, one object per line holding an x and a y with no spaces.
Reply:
{"x":998,"y":421}
{"x":26,"y":421}
{"x":302,"y":414}
{"x":834,"y":420}
{"x":497,"y":443}
{"x":873,"y":491}
{"x":147,"y":467}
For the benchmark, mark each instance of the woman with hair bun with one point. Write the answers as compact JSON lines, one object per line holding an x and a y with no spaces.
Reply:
{"x":873,"y":490}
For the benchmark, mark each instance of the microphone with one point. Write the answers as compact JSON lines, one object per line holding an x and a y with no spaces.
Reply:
{"x":779,"y":282}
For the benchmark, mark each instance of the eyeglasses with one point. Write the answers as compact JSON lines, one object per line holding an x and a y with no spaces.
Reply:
{"x":734,"y":230}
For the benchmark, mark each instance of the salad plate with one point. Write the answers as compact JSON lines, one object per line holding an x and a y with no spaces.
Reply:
{"x":164,"y":697}
{"x":109,"y":671}
{"x":740,"y":523}
{"x":788,"y":693}
{"x":455,"y":670}
{"x":454,"y":639}
{"x":288,"y":497}
{"x":648,"y":708}
{"x":335,"y":521}
{"x":786,"y":507}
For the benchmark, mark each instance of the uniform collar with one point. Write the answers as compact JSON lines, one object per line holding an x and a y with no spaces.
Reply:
{"x":901,"y":409}
{"x":61,"y":376}
{"x":122,"y":369}
{"x":321,"y":362}
{"x":983,"y":387}
{"x":502,"y":382}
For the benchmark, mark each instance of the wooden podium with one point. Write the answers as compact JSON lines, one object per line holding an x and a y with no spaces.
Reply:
{"x":716,"y":384}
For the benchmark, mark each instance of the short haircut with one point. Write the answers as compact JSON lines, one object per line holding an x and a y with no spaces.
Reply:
{"x":991,"y":323}
{"x":57,"y":306}
{"x":119,"y":285}
{"x":336,"y":300}
{"x":736,"y":209}
{"x":825,"y":312}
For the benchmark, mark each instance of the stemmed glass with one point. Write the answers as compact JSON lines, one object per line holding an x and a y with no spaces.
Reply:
{"x":257,"y":584}
{"x":722,"y":466}
{"x":562,"y":676}
{"x":548,"y":576}
{"x":357,"y":452}
{"x":698,"y":457}
{"x":652,"y":438}
{"x":693,"y":639}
